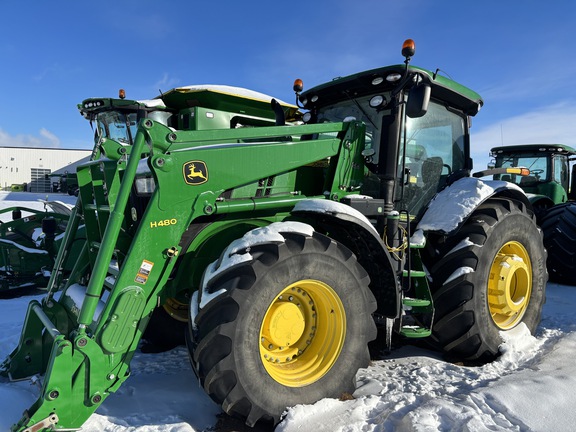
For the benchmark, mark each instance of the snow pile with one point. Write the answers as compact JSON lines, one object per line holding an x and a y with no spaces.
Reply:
{"x":229,"y":90}
{"x":453,"y":205}
{"x":414,"y":390}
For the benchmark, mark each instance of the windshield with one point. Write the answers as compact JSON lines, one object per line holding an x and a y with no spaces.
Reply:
{"x":357,"y":109}
{"x":113,"y":125}
{"x":435,"y":148}
{"x":432,"y":147}
{"x":537,"y":164}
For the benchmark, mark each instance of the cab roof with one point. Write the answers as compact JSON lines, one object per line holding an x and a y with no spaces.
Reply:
{"x":374,"y":80}
{"x":224,"y":98}
{"x":534,"y":148}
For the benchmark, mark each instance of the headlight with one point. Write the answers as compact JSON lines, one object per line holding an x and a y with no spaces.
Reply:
{"x":145,"y":186}
{"x":393,"y":77}
{"x":377,"y":101}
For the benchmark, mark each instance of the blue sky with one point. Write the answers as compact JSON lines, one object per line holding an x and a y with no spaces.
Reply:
{"x":519,"y":55}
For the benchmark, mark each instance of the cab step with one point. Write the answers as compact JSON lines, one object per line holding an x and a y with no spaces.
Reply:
{"x":415,"y":302}
{"x":415,"y":332}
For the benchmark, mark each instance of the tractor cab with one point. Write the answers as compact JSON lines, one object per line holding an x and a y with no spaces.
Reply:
{"x":549,"y":166}
{"x":417,"y":122}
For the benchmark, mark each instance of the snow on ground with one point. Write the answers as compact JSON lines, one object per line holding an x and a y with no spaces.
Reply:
{"x":529,"y":388}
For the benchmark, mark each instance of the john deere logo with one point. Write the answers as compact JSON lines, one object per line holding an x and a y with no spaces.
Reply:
{"x":195,"y":172}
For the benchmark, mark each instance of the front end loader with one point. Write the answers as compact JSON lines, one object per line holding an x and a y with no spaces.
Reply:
{"x":281,"y":240}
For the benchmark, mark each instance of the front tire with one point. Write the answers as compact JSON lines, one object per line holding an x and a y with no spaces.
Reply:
{"x":487,"y":278}
{"x":291,"y":326}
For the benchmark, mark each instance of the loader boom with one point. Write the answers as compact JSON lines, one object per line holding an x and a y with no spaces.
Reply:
{"x":99,"y":347}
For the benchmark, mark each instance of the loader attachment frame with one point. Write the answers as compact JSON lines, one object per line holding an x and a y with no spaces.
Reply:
{"x":81,"y":338}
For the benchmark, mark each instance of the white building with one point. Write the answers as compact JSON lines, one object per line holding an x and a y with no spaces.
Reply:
{"x":33,"y":166}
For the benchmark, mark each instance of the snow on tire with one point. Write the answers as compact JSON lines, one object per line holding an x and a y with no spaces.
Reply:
{"x":488,"y":277}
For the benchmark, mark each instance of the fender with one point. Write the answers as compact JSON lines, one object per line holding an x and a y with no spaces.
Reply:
{"x":452,"y":206}
{"x":351,"y":228}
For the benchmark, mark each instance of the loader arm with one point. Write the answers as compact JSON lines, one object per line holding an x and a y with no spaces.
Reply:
{"x":83,"y":339}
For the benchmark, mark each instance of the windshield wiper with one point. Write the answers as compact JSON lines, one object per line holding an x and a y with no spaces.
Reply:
{"x":361,"y":109}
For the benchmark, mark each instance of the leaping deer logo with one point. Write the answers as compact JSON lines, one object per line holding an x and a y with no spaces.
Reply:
{"x":195,"y":172}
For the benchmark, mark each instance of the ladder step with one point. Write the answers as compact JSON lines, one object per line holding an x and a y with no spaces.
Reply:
{"x":415,"y":332}
{"x":417,"y":245}
{"x":415,"y":302}
{"x":418,"y":240}
{"x":414,"y":273}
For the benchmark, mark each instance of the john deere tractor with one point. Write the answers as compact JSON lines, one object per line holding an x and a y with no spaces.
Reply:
{"x":29,"y":242}
{"x":550,"y":188}
{"x":286,"y":238}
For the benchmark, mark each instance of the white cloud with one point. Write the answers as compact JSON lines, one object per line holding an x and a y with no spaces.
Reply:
{"x":538,"y":85}
{"x":165,"y":83}
{"x":554,"y":124}
{"x":45,"y":139}
{"x":50,"y":137}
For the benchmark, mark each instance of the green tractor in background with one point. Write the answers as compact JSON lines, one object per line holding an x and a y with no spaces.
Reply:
{"x":552,"y":192}
{"x":280,"y":241}
{"x":29,"y":243}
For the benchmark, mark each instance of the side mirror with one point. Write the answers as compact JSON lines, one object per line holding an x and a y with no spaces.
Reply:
{"x":418,"y":100}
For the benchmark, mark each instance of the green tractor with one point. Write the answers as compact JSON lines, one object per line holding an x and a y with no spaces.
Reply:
{"x":283,"y":239}
{"x":550,"y":188}
{"x":29,"y":242}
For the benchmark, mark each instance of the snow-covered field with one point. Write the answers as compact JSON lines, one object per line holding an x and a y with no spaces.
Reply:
{"x":531,"y":387}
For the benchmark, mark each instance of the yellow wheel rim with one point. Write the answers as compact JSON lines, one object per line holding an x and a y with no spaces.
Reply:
{"x":302,"y":333}
{"x":509,"y":285}
{"x":176,"y":309}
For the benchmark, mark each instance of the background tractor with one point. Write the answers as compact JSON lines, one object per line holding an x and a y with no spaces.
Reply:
{"x":550,"y":188}
{"x":281,"y":240}
{"x":29,"y":242}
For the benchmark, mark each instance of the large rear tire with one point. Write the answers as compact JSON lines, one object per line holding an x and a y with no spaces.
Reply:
{"x":559,"y":227}
{"x":291,"y":326}
{"x":487,"y":278}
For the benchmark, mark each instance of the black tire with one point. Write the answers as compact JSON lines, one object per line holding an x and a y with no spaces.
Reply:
{"x":163,"y":332}
{"x":313,"y":276}
{"x":559,"y":227}
{"x":487,"y":278}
